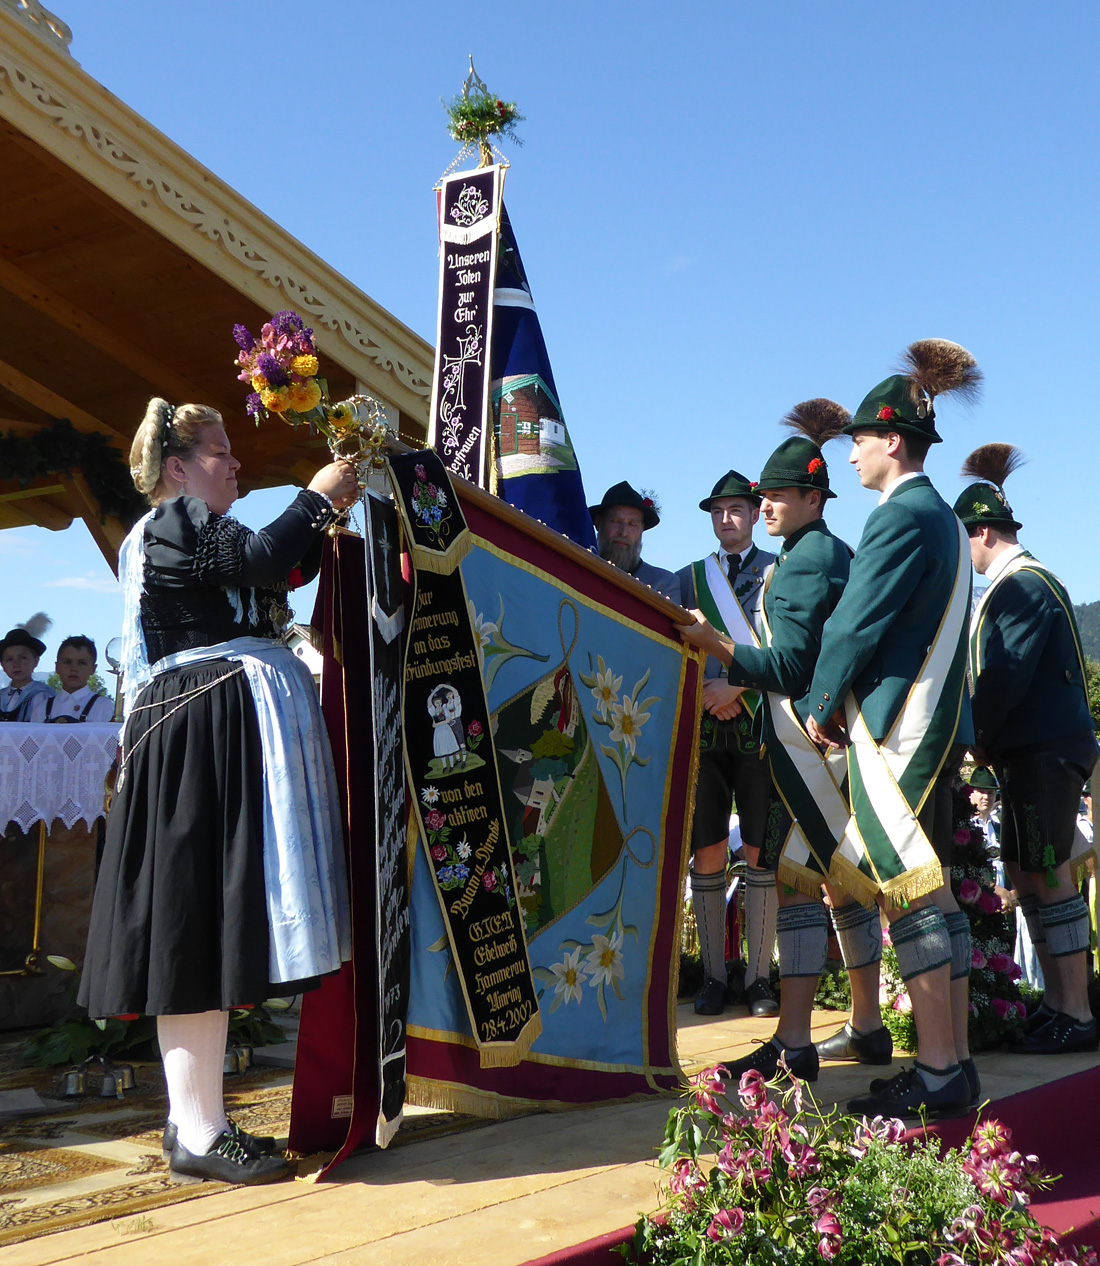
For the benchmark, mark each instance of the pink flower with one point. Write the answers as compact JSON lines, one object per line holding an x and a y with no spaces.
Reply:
{"x":1002,"y":1007}
{"x":999,"y":962}
{"x":820,"y":1200}
{"x":726,"y":1223}
{"x":1013,"y":972}
{"x":439,"y":853}
{"x":708,"y":1085}
{"x":1021,"y":1010}
{"x":489,"y":881}
{"x":962,"y":836}
{"x":421,"y":473}
{"x":977,"y":959}
{"x":747,"y":1168}
{"x":989,"y":903}
{"x":969,"y":891}
{"x":801,"y":1159}
{"x":990,"y":1138}
{"x":828,"y":1227}
{"x":752,"y":1089}
{"x":435,"y":821}
{"x":686,"y":1181}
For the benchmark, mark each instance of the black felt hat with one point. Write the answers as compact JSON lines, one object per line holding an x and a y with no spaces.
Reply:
{"x":905,"y":402}
{"x":20,"y":637}
{"x":982,"y":779}
{"x":732,"y":484}
{"x":622,"y":494}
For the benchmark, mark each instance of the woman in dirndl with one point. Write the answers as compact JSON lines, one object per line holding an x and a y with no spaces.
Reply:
{"x":223,"y":878}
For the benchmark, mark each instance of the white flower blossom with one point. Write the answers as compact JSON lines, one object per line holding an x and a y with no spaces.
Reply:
{"x":605,"y":689}
{"x":464,"y":850}
{"x":604,"y":960}
{"x":627,"y":720}
{"x":430,"y":796}
{"x":570,"y":979}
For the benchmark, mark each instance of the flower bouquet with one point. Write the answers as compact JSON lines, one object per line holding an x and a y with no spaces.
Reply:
{"x":282,"y":368}
{"x":763,"y":1178}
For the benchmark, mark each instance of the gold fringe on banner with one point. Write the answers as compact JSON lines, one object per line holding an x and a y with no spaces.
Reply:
{"x":509,"y":1054}
{"x":445,"y":563}
{"x":800,"y":878}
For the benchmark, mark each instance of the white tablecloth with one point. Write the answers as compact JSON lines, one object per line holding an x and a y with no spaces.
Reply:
{"x":54,"y":771}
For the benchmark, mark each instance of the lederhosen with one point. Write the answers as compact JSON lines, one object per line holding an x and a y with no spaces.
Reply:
{"x":50,"y":719}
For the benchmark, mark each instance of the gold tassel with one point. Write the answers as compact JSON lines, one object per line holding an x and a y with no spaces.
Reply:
{"x":905,"y":888}
{"x":423,"y":1093}
{"x":509,"y":1054}
{"x":445,"y":563}
{"x":800,"y":878}
{"x":853,"y":881}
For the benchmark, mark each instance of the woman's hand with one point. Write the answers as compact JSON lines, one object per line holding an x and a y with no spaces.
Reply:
{"x":337,"y":481}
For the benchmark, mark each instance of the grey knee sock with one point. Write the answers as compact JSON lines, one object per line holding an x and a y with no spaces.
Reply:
{"x":958,"y":929}
{"x":708,"y":897}
{"x":761,"y":904}
{"x":803,"y":934}
{"x":1066,"y":924}
{"x":921,"y":942}
{"x":859,"y":932}
{"x":1029,"y":905}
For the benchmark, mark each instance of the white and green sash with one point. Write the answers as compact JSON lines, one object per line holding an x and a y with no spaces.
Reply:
{"x":884,"y":850}
{"x":812,"y":788}
{"x":718,"y":602}
{"x":1084,"y":854}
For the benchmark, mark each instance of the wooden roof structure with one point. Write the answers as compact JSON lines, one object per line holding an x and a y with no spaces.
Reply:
{"x":124,"y":265}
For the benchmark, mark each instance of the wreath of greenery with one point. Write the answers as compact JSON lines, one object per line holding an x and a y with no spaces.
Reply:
{"x":60,"y":449}
{"x":473,"y":117}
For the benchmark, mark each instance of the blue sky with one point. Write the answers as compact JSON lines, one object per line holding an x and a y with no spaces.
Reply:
{"x":723,"y":209}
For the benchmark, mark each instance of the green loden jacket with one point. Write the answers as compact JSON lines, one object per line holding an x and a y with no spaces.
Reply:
{"x":899,"y":587}
{"x":808,"y":578}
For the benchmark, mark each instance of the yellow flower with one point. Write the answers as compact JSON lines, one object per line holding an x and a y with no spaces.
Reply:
{"x":340,"y":416}
{"x":297,"y":395}
{"x":275,"y":401}
{"x":304,"y":365}
{"x":313,"y":395}
{"x":259,"y":383}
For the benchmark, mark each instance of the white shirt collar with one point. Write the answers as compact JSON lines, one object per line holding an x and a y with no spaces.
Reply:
{"x":72,"y":701}
{"x":896,"y":483}
{"x":723,"y":554}
{"x":1002,"y":561}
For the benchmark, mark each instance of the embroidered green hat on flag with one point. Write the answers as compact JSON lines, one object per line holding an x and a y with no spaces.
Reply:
{"x":904,"y":402}
{"x":798,"y":462}
{"x":732,"y":484}
{"x":984,"y":504}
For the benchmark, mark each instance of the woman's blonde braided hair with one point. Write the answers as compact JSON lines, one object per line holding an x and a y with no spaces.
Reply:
{"x":166,"y":431}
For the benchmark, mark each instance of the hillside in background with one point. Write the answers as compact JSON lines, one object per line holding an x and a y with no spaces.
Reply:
{"x":1088,"y":621}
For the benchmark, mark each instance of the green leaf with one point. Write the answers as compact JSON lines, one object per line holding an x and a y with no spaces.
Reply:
{"x":59,"y":960}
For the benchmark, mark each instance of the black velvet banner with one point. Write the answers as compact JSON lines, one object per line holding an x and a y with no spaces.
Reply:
{"x":469,"y":209}
{"x":452,"y":770}
{"x":387,"y":619}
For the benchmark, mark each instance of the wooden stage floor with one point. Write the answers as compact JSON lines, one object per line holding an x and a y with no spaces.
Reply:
{"x":497,"y":1195}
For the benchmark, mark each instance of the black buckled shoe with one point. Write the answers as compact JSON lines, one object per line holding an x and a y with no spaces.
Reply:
{"x":906,"y":1095}
{"x":876,"y":1047}
{"x":261,"y":1144}
{"x":711,"y":999}
{"x":760,"y":999}
{"x":801,"y":1060}
{"x":227,"y":1161}
{"x":1063,"y":1035}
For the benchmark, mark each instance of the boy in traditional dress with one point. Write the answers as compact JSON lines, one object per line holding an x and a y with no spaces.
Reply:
{"x":728,"y":585}
{"x":76,"y":700}
{"x":24,"y":699}
{"x":1032,"y":722}
{"x":889,"y":687}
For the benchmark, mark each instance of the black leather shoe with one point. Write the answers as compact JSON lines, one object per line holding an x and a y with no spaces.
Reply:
{"x":906,"y":1095}
{"x":1061,"y":1036}
{"x":228,"y":1161}
{"x":801,"y":1060}
{"x":876,"y":1047}
{"x":261,"y":1144}
{"x":760,"y":999}
{"x":1040,"y":1016}
{"x":711,"y":999}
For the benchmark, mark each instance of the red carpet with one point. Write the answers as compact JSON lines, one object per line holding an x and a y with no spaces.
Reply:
{"x":1058,"y":1122}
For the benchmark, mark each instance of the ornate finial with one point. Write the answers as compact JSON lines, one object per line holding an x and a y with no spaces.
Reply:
{"x":476,"y":115}
{"x":45,"y":23}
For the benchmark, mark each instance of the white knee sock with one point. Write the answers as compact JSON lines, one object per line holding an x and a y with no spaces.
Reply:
{"x":193,"y":1050}
{"x":761,"y":905}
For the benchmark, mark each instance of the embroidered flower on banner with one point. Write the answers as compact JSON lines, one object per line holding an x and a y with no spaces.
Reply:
{"x":627,"y":719}
{"x":604,"y":962}
{"x":429,"y":796}
{"x":569,"y":977}
{"x":606,"y":688}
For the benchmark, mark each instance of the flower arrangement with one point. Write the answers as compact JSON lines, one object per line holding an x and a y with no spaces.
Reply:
{"x":764,"y":1178}
{"x":282,"y":368}
{"x":474,"y":117}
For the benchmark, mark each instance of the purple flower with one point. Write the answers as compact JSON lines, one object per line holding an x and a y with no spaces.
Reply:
{"x":271,"y":369}
{"x":254,"y":405}
{"x":999,"y":962}
{"x":1003,"y":1007}
{"x":245,"y":341}
{"x":989,"y":903}
{"x":962,"y":836}
{"x":286,"y":322}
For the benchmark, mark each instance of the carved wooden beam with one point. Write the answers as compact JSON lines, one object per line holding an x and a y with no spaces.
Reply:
{"x":41,"y":397}
{"x":109,"y":534}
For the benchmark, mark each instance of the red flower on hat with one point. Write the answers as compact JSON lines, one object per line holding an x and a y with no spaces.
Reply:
{"x":885,"y":414}
{"x":815,"y":465}
{"x":755,"y":484}
{"x":647,"y":502}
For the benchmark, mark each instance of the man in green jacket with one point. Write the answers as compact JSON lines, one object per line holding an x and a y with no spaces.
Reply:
{"x":808,"y":810}
{"x":888,"y":686}
{"x":1032,"y":723}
